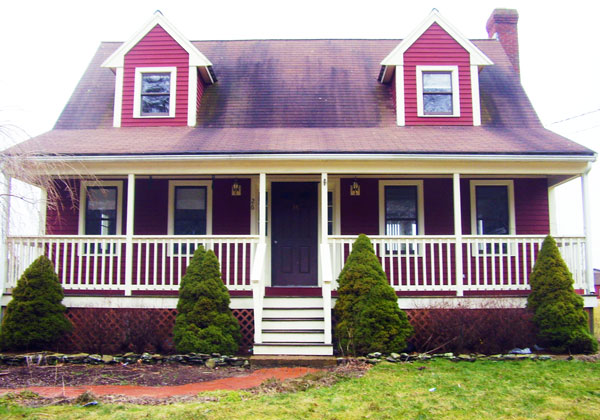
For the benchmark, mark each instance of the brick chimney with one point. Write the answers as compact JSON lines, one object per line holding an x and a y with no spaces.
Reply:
{"x":502,"y":25}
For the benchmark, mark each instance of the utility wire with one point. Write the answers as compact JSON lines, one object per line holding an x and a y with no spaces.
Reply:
{"x":576,"y":116}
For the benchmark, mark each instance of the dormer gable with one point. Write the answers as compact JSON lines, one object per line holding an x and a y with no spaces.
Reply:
{"x":435,"y":74}
{"x":160,"y":77}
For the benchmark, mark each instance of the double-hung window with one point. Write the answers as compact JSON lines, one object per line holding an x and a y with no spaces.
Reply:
{"x":492,"y":210}
{"x":401,"y":210}
{"x":154,"y":93}
{"x":190,"y":204}
{"x":100,"y":213}
{"x":437,"y":91}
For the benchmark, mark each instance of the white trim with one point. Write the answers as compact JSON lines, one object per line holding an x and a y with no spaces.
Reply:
{"x":453,"y":70}
{"x":552,"y":210}
{"x":396,"y":57}
{"x":118,"y":105}
{"x":171,"y":211}
{"x":192,"y":96}
{"x":587,"y":230}
{"x":137,"y":91}
{"x":511,"y":202}
{"x":117,"y":59}
{"x":476,"y":101}
{"x":400,"y":108}
{"x":420,"y":203}
{"x":316,"y":157}
{"x":83,"y":201}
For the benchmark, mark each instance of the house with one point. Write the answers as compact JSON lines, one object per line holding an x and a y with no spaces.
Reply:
{"x":276,"y":154}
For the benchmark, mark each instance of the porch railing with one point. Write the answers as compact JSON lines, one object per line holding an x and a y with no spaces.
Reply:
{"x":158,"y":262}
{"x":428,"y":263}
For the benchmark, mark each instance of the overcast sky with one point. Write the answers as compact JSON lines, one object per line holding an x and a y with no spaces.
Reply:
{"x":46,"y":46}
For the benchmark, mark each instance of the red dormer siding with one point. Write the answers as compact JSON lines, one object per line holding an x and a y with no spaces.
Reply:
{"x":437,"y":47}
{"x":156,"y":49}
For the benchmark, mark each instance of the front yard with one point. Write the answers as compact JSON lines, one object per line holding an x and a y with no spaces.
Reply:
{"x":431,"y":390}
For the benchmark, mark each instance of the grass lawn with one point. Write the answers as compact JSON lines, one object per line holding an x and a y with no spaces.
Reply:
{"x":433,"y":390}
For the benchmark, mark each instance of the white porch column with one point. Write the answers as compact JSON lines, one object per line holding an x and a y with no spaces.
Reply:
{"x":552,"y":210}
{"x":262,"y":208}
{"x":5,"y":184}
{"x":43,"y":209}
{"x":327,"y":275}
{"x":129,"y":234}
{"x":587,"y":231}
{"x":458,"y":254}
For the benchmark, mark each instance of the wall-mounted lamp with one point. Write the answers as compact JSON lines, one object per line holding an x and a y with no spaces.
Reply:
{"x":236,"y":188}
{"x":355,"y":188}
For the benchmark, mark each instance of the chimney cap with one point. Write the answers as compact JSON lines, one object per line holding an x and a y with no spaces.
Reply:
{"x":505,"y":16}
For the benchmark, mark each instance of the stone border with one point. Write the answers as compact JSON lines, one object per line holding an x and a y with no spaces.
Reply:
{"x":374,"y":358}
{"x":209,"y":360}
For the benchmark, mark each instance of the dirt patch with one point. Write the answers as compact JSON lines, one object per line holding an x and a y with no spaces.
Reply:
{"x":260,"y":381}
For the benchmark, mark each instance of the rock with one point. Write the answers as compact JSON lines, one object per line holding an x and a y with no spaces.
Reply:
{"x":395,"y":355}
{"x":544,"y":357}
{"x":375,"y":355}
{"x":211,"y":363}
{"x":106,"y":359}
{"x":237,"y":361}
{"x":509,"y":357}
{"x":93,"y":359}
{"x":373,"y":361}
{"x":340,"y":360}
{"x":215,"y":354}
{"x":76,"y":358}
{"x":361,"y":359}
{"x":466,"y":358}
{"x":391,"y":359}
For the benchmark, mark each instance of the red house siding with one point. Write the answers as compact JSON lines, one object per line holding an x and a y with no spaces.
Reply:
{"x":437,"y":194}
{"x":201,"y":88}
{"x":437,"y":47}
{"x":231,"y":214}
{"x":156,"y":49}
{"x":531,"y":206}
{"x":151,"y":206}
{"x":359,"y":213}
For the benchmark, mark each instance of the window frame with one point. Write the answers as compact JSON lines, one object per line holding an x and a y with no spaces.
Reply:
{"x":190,"y":183}
{"x":511,"y":203}
{"x":453,"y":70}
{"x":83,"y":203}
{"x":137,"y":93}
{"x":420,"y":203}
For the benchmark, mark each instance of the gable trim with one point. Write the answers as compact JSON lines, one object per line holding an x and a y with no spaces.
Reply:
{"x":117,"y":59}
{"x":396,"y":57}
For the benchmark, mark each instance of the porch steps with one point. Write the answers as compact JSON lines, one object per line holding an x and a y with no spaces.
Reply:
{"x":293,"y":326}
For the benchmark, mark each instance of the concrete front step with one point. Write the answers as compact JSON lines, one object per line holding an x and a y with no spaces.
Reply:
{"x":294,"y":349}
{"x":292,"y":302}
{"x":293,"y":324}
{"x":293,"y":336}
{"x":293,"y":313}
{"x":318,"y":362}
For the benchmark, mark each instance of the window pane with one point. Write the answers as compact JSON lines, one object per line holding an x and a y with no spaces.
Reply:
{"x":437,"y":83}
{"x":155,"y":104}
{"x":190,"y":211}
{"x":101,"y":211}
{"x":156,"y":83}
{"x":492,"y":210}
{"x":439,"y":103}
{"x":401,"y":210}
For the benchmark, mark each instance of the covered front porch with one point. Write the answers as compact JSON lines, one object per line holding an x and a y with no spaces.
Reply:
{"x":280,"y":237}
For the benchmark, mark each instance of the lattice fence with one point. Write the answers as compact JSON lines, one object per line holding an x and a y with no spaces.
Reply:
{"x":114,"y":330}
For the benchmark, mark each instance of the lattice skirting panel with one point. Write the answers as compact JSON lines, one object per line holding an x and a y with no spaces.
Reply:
{"x":486,"y":330}
{"x":115,"y":330}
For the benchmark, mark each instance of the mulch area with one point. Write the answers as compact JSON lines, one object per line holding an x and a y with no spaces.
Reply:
{"x":155,"y":384}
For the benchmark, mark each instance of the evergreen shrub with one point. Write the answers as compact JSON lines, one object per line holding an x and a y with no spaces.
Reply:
{"x":562,"y":324}
{"x":204,"y":322}
{"x":35,"y":317}
{"x":367,"y":315}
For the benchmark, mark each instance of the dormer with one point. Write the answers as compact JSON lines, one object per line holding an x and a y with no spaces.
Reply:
{"x":435,"y":75}
{"x":160,"y":77}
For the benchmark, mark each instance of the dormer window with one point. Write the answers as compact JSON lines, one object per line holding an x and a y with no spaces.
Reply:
{"x":437,"y":91}
{"x":155,"y":89}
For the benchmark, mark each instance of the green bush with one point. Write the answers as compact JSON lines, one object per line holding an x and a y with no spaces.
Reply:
{"x":204,"y":322}
{"x":35,"y":317}
{"x":367,"y":313}
{"x":562,"y":324}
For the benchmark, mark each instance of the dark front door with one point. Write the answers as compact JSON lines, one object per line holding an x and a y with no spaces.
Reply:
{"x":294,"y":234}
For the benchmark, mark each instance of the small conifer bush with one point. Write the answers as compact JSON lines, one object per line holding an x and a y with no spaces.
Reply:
{"x":561,"y":322}
{"x":367,"y":313}
{"x":35,"y":317}
{"x":204,"y":322}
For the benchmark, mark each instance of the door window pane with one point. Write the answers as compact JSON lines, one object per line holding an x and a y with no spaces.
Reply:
{"x":401,"y":210}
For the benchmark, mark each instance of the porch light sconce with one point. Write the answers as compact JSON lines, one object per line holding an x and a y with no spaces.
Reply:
{"x":236,"y":189}
{"x":355,"y":188}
